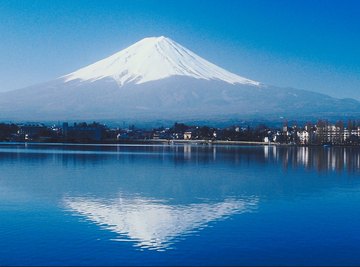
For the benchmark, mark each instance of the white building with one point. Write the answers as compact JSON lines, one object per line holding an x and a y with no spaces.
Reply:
{"x":303,"y":137}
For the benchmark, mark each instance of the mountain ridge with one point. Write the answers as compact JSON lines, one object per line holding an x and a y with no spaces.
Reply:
{"x":107,"y":91}
{"x":154,"y":58}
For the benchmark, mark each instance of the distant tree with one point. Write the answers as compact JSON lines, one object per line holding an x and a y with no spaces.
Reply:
{"x":180,"y":127}
{"x":205,"y":132}
{"x":6,"y":130}
{"x":351,"y":125}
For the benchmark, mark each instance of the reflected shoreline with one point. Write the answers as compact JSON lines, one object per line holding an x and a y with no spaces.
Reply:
{"x":176,"y":142}
{"x":333,"y":158}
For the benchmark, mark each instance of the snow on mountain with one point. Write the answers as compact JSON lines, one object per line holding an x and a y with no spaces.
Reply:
{"x":158,"y":79}
{"x":153,"y":59}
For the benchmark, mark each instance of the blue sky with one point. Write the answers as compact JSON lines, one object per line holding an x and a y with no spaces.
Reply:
{"x":313,"y":45}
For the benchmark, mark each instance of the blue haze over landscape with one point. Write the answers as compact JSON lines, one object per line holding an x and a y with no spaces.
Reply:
{"x":179,"y":133}
{"x":306,"y":45}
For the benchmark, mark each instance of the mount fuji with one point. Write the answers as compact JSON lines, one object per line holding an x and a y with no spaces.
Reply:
{"x":159,"y":79}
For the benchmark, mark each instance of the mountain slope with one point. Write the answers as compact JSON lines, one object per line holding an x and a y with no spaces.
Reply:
{"x":157,"y":78}
{"x":153,"y":59}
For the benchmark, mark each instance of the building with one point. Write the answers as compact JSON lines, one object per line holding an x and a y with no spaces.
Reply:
{"x":83,"y":132}
{"x":303,"y":137}
{"x":187,"y":135}
{"x":351,"y":135}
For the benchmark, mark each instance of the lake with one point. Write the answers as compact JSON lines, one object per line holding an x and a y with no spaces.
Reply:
{"x":179,"y":205}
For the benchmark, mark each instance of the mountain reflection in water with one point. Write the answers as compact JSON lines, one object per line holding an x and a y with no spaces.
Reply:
{"x":154,"y":224}
{"x":114,"y":205}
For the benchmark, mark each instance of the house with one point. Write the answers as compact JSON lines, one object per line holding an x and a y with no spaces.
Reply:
{"x":187,"y":135}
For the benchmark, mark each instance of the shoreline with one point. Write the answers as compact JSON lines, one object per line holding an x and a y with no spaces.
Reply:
{"x":166,"y":142}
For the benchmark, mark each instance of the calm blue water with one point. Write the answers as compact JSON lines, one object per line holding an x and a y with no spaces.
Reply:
{"x":179,"y":205}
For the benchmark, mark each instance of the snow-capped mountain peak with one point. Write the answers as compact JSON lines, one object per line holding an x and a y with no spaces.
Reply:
{"x":151,"y":59}
{"x":163,"y":81}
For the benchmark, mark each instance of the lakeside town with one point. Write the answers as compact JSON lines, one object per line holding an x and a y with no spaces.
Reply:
{"x":320,"y":133}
